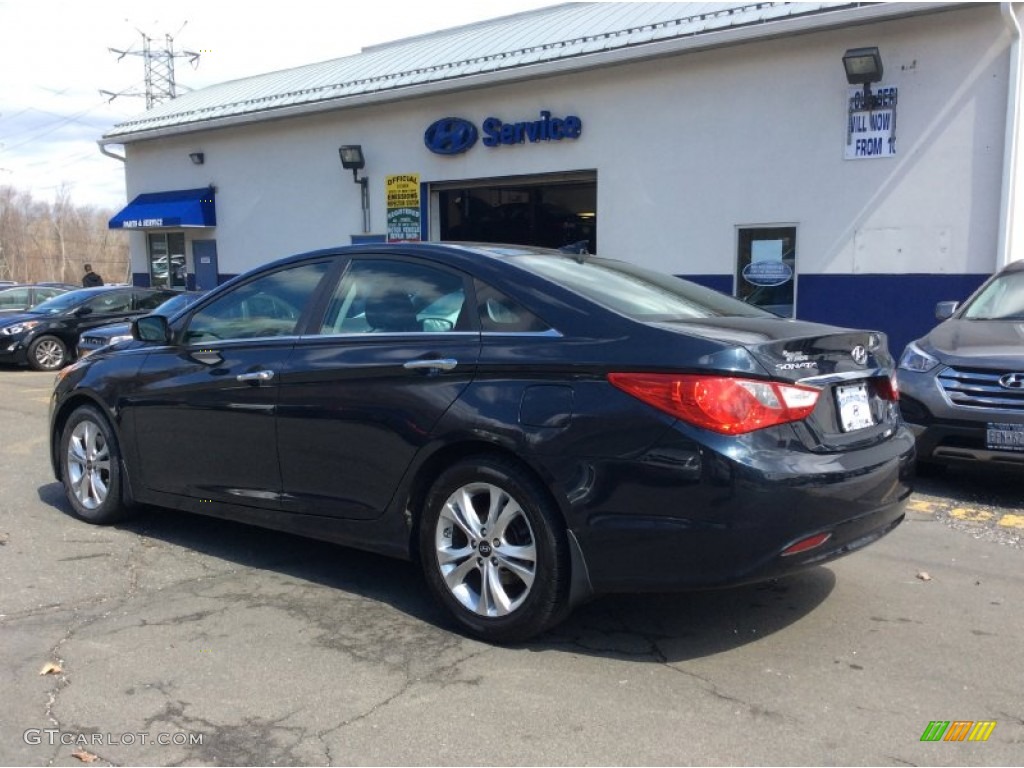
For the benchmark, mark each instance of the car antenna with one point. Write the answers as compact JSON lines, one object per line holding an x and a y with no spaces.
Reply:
{"x":578,"y":250}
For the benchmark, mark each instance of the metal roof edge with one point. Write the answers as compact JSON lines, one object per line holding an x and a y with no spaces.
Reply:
{"x":854,"y":15}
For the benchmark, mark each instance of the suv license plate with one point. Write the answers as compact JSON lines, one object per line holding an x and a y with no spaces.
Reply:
{"x":854,"y":407}
{"x":1004,"y":437}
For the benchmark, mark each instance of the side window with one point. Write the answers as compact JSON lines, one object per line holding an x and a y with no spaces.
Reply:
{"x":108,"y":303}
{"x":383,"y":296}
{"x":147,"y":302}
{"x":42,"y":294}
{"x":500,"y":314}
{"x":15,"y":298}
{"x":270,"y":305}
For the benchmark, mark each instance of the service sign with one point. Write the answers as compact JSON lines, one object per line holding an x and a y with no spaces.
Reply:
{"x":403,"y":198}
{"x":455,"y":135}
{"x":871,"y":133}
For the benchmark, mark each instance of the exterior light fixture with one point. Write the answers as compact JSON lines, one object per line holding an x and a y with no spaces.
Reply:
{"x":352,"y":159}
{"x":197,"y":158}
{"x":863,"y":66}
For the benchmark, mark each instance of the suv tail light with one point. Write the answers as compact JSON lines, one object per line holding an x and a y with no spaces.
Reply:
{"x":729,"y":405}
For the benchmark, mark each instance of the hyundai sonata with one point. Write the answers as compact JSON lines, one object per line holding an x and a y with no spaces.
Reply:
{"x":534,"y":428}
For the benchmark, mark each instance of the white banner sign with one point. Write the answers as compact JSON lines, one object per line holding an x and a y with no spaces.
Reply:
{"x":871,"y":132}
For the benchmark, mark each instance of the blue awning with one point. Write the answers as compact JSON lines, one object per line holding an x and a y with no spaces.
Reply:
{"x":174,"y":209}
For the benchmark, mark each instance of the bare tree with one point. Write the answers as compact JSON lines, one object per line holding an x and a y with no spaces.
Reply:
{"x":51,"y":241}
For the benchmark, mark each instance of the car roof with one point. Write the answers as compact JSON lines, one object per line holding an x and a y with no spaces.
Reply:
{"x":452,"y":251}
{"x":23,"y":286}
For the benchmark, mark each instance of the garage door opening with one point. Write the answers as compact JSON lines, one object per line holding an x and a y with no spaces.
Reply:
{"x":549,"y":214}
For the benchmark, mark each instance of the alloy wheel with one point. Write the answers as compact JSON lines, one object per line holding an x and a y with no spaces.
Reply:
{"x":48,"y":354}
{"x":88,"y":464}
{"x":486,"y":549}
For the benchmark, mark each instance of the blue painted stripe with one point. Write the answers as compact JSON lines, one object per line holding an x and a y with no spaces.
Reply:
{"x":902,"y":306}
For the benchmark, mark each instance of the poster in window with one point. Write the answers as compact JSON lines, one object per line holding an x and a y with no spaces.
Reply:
{"x":403,"y":206}
{"x":766,"y":268}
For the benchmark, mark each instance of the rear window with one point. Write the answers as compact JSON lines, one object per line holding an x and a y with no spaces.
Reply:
{"x":638,"y":293}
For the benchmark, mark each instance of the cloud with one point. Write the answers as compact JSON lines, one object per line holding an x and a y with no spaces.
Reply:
{"x":54,"y":60}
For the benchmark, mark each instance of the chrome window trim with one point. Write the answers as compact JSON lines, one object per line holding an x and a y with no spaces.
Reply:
{"x":390,"y":335}
{"x":827,"y":379}
{"x":549,"y":333}
{"x":218,"y":343}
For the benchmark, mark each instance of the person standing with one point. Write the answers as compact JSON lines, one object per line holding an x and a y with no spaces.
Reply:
{"x":91,"y":279}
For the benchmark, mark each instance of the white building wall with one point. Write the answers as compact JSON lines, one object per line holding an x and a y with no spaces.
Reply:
{"x":685,"y":148}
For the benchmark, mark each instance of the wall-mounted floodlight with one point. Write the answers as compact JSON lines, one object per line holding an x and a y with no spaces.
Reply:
{"x":197,"y":158}
{"x":352,"y":159}
{"x":863,"y":66}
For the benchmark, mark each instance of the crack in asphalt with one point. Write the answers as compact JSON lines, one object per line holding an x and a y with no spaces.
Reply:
{"x":433,"y":678}
{"x":655,"y":652}
{"x":253,"y":741}
{"x":63,"y":679}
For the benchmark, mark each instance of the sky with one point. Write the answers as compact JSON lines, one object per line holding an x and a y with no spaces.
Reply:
{"x":55,"y":60}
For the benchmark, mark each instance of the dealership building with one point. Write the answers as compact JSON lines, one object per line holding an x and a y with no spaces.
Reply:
{"x":848,"y":163}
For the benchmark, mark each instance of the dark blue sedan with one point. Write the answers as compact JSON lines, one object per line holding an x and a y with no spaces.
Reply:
{"x":108,"y":335}
{"x":534,"y":428}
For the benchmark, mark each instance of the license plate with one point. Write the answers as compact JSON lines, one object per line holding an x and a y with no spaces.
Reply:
{"x":1005,"y":437}
{"x":854,"y":407}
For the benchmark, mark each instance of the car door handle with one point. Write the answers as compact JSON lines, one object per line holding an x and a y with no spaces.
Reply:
{"x":255,"y":376}
{"x":437,"y":363}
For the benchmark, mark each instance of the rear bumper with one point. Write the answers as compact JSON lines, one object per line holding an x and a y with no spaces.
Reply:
{"x":724,"y":522}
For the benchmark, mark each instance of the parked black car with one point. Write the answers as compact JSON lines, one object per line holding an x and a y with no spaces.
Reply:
{"x":46,"y":336}
{"x":963,"y":383}
{"x":108,"y":335}
{"x":18,"y":298}
{"x":534,"y":427}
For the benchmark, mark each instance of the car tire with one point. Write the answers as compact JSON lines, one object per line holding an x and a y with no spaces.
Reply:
{"x":47,"y":353}
{"x":90,"y":465}
{"x":494,"y":550}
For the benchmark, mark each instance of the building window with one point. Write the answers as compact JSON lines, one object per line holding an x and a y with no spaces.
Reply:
{"x":167,"y":268}
{"x":766,"y":268}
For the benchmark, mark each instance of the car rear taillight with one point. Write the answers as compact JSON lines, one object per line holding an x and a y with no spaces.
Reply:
{"x":888,"y":388}
{"x":727,"y":404}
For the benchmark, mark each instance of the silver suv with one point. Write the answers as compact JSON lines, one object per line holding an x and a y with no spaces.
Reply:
{"x":962,"y":385}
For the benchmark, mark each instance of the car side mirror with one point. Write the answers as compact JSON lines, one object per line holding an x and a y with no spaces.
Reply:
{"x":83,"y":311}
{"x":152,"y":328}
{"x":945,"y":309}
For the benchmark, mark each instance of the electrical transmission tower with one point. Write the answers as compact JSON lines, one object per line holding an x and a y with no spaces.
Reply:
{"x":159,"y":63}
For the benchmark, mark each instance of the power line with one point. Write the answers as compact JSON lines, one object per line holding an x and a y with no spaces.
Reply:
{"x":159,"y":68}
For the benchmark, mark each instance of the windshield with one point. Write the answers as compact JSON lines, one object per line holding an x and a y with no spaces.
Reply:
{"x":638,"y":293}
{"x":60,"y":303}
{"x":1002,"y":299}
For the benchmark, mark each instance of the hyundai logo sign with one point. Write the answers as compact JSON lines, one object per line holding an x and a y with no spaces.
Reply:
{"x":1012,"y":381}
{"x":450,"y":136}
{"x":454,"y":135}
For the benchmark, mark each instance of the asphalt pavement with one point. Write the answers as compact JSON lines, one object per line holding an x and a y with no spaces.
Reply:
{"x":240,"y":646}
